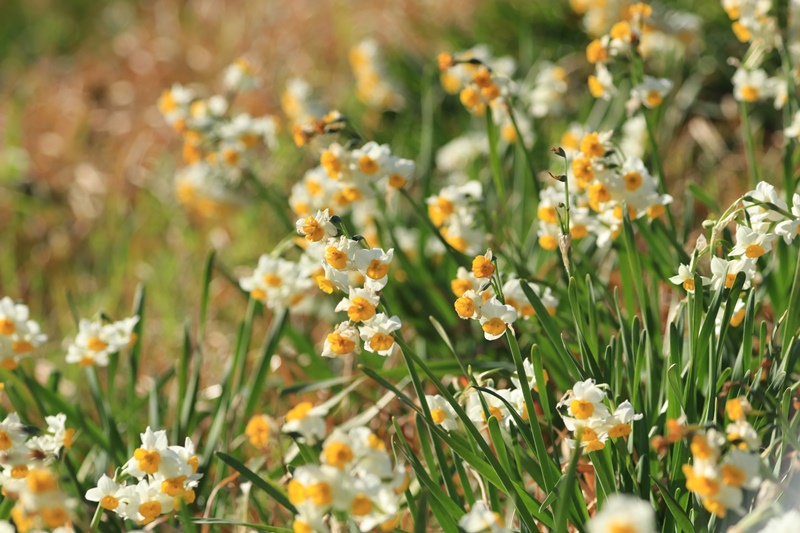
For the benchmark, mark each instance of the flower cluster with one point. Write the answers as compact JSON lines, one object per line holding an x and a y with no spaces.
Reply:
{"x":218,"y":148}
{"x":348,"y":180}
{"x":454,"y":211}
{"x":601,"y":181}
{"x":622,"y":38}
{"x":97,"y":340}
{"x":663,"y":31}
{"x":355,"y":476}
{"x":343,"y":258}
{"x":768,"y":217}
{"x":480,"y":303}
{"x":374,"y":87}
{"x":309,"y":119}
{"x":19,"y":335}
{"x":754,"y":24}
{"x":546,"y":97}
{"x":27,"y":476}
{"x":484,"y":81}
{"x":458,"y":69}
{"x":444,"y":415}
{"x":721,"y":468}
{"x":590,"y":419}
{"x":282,"y":284}
{"x":162,"y":478}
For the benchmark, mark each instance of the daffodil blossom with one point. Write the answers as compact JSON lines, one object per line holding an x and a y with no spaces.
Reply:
{"x":623,"y":512}
{"x":751,"y":244}
{"x":495,"y":318}
{"x":442,"y":412}
{"x":377,"y":334}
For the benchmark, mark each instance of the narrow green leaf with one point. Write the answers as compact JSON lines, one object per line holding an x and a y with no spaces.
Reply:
{"x":266,"y":485}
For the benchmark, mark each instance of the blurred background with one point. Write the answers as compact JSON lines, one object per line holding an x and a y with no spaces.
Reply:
{"x":87,"y":203}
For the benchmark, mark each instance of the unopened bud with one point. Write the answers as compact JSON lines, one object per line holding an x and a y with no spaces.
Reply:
{"x":564,"y":244}
{"x":701,"y":243}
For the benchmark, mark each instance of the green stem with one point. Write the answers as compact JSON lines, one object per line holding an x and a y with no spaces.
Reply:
{"x":528,"y":156}
{"x":748,"y":140}
{"x":494,"y":158}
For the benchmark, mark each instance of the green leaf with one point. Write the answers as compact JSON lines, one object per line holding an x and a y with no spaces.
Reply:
{"x":247,"y":525}
{"x":678,"y":513}
{"x":266,"y":485}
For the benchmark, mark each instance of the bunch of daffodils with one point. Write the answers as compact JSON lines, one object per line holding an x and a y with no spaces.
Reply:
{"x":219,"y":148}
{"x":590,"y":420}
{"x":478,"y":302}
{"x":722,"y":469}
{"x":767,"y":218}
{"x":349,"y":179}
{"x":361,"y":273}
{"x":19,"y":335}
{"x":374,"y":86}
{"x":355,"y":477}
{"x":27,"y":477}
{"x":157,"y":480}
{"x":602,"y":182}
{"x":454,"y":211}
{"x":497,"y":402}
{"x":97,"y":340}
{"x":282,"y":284}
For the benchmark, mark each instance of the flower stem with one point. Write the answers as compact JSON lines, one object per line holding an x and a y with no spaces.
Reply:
{"x":748,"y":140}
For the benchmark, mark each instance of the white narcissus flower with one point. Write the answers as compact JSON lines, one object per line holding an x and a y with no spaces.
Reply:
{"x":306,"y":420}
{"x":601,"y":83}
{"x":12,"y":433}
{"x":685,"y":278}
{"x":789,"y":229}
{"x":752,"y":244}
{"x":626,"y":513}
{"x":371,"y":457}
{"x":340,"y":253}
{"x":240,"y":76}
{"x":724,"y":272}
{"x":497,"y":408}
{"x":585,"y":401}
{"x":620,"y":422}
{"x":316,"y":228}
{"x":740,"y":469}
{"x":344,"y":340}
{"x":651,"y":91}
{"x":495,"y":318}
{"x":527,"y":366}
{"x":18,"y":334}
{"x":468,"y":305}
{"x":750,"y":86}
{"x":480,"y":519}
{"x":592,"y":432}
{"x":360,"y":305}
{"x":337,"y":450}
{"x":442,"y":412}
{"x":765,"y":193}
{"x":374,"y":265}
{"x":107,"y":494}
{"x":315,"y":489}
{"x":743,"y":436}
{"x":377,"y":334}
{"x":153,"y":456}
{"x":793,"y":130}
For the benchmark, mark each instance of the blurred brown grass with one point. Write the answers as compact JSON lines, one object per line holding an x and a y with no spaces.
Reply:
{"x":92,"y":212}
